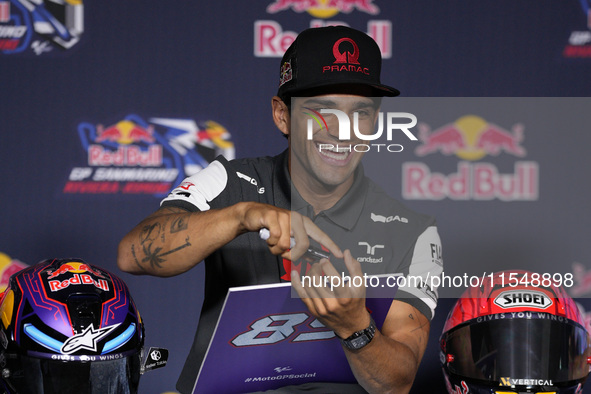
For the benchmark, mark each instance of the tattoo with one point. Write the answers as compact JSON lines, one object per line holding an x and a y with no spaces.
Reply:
{"x":150,"y":233}
{"x":420,"y":324}
{"x":156,"y":258}
{"x":179,"y":224}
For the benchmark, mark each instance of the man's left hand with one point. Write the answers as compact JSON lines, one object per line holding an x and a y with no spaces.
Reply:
{"x":339,"y":306}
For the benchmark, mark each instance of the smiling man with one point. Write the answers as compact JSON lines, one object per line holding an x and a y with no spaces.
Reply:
{"x":315,"y":194}
{"x":324,"y":160}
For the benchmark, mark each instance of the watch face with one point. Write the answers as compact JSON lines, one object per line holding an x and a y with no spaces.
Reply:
{"x":359,"y":342}
{"x":360,"y":338}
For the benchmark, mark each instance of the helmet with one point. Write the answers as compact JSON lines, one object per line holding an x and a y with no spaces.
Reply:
{"x":510,"y":336}
{"x":69,"y":327}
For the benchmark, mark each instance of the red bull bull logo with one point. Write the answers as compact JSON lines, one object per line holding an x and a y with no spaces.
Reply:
{"x":125,"y":132}
{"x":73,"y":267}
{"x":324,"y":8}
{"x":471,"y":138}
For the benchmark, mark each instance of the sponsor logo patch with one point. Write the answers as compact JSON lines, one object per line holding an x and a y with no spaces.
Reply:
{"x":523,"y":298}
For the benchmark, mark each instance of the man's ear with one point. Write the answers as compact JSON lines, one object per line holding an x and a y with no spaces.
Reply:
{"x":280,"y":115}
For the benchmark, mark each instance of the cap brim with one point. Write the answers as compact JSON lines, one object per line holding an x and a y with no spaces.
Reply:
{"x":387,"y":90}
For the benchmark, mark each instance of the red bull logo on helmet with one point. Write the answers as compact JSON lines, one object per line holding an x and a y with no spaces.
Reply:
{"x":79,"y":274}
{"x":73,"y":267}
{"x":471,"y":138}
{"x":78,"y":279}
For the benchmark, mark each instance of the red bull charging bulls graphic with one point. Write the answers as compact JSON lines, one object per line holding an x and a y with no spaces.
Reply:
{"x":324,"y":8}
{"x":134,"y":156}
{"x":471,"y":138}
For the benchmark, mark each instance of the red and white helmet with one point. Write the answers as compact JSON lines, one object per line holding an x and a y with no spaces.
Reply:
{"x":517,"y":333}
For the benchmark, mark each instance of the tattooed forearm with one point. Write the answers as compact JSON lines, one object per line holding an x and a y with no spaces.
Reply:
{"x":156,"y":257}
{"x":153,"y":244}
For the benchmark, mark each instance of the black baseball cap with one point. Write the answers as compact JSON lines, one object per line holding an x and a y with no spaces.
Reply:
{"x":323,"y":59}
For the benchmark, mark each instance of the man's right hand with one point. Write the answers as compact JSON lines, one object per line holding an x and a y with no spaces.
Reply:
{"x":283,"y":225}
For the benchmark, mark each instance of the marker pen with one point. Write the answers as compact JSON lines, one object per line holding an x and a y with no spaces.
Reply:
{"x":312,"y":252}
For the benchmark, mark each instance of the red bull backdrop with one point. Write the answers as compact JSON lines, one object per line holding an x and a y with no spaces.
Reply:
{"x":105,"y":106}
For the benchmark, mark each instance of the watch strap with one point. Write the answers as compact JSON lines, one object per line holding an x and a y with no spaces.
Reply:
{"x":360,"y":338}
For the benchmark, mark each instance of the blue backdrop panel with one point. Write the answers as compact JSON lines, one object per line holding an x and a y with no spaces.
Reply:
{"x":123,"y":67}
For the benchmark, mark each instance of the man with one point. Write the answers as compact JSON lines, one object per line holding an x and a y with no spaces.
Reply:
{"x":217,"y":213}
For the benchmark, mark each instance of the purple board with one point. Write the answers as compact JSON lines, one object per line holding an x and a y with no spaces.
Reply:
{"x":268,"y":339}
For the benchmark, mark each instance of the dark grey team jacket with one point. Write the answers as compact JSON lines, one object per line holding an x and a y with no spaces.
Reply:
{"x":384,"y":236}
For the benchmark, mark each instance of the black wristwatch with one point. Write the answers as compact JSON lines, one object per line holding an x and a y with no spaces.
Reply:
{"x":360,"y":338}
